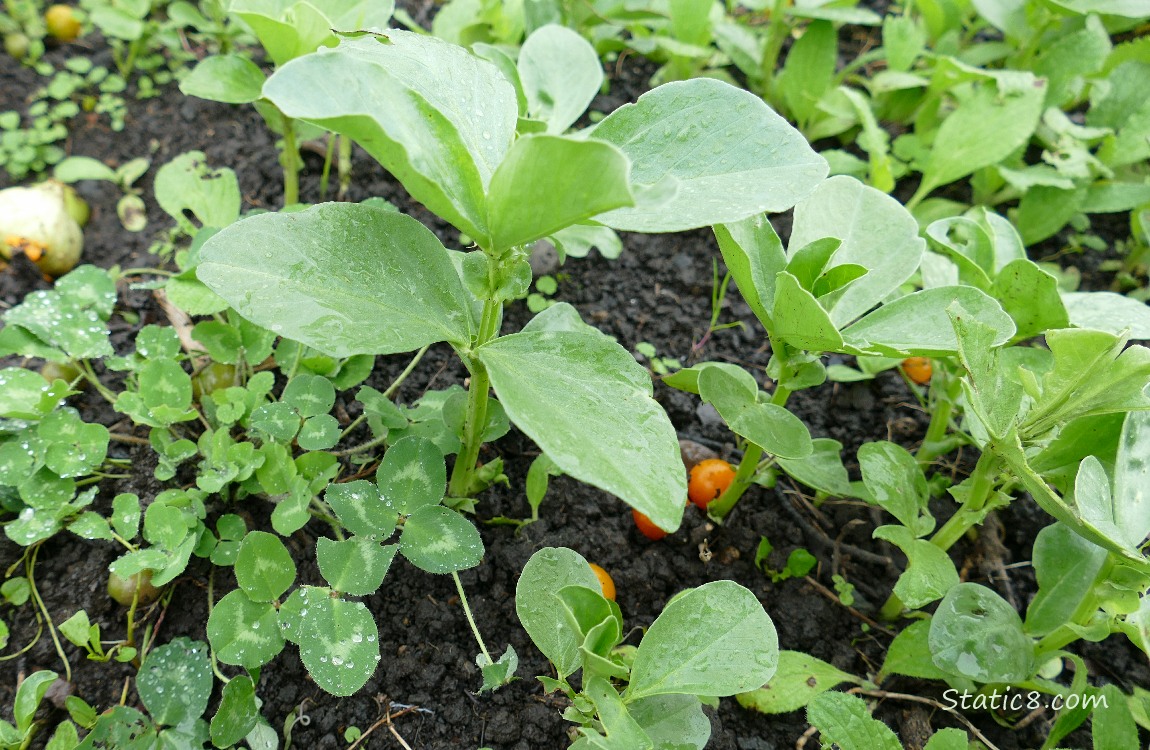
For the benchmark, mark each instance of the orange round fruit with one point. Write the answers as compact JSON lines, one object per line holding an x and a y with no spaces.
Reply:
{"x":918,"y":369}
{"x":63,"y":26}
{"x":647,"y":527}
{"x":604,"y":581}
{"x":709,"y":479}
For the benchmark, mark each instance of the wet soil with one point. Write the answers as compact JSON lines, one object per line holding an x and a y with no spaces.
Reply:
{"x":658,"y":291}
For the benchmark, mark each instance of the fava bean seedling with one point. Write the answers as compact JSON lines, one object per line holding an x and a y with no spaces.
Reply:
{"x":662,"y":376}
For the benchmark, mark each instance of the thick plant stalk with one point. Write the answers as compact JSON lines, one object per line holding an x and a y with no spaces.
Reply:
{"x":745,"y":473}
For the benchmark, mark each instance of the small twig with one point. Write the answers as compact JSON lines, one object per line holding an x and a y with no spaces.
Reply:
{"x":883,"y":694}
{"x":128,"y":439}
{"x":811,"y":732}
{"x":386,"y":720}
{"x":834,"y":598}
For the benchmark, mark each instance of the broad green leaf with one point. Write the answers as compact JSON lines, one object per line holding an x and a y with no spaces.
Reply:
{"x":976,"y":634}
{"x":800,"y":320}
{"x":76,"y":168}
{"x":712,"y":640}
{"x":587,"y":404}
{"x":436,"y":117}
{"x":1066,"y":566}
{"x":1125,"y":8}
{"x":1094,"y":373}
{"x":809,"y":70}
{"x":844,"y":721}
{"x":799,"y":678}
{"x":264,"y":568}
{"x":747,"y":411}
{"x":355,"y":566}
{"x":723,"y":152}
{"x":877,"y":233}
{"x":930,"y":572}
{"x":243,"y":632}
{"x":62,"y":322}
{"x":338,"y":640}
{"x":237,"y":714}
{"x":909,"y":654}
{"x":439,"y":540}
{"x":186,"y":183}
{"x":342,"y":278}
{"x":988,"y":125}
{"x":919,"y":323}
{"x":25,"y":395}
{"x":823,"y":470}
{"x":28,"y":697}
{"x":549,"y":182}
{"x":549,"y":570}
{"x":622,"y":731}
{"x":175,"y":681}
{"x":895,"y":481}
{"x":1030,"y":297}
{"x":1107,"y":311}
{"x":673,"y":722}
{"x":361,"y":509}
{"x":1066,"y":61}
{"x":412,"y":475}
{"x":1112,"y":724}
{"x":753,"y":254}
{"x":232,"y":79}
{"x":561,"y":74}
{"x":948,"y":739}
{"x":1132,"y":479}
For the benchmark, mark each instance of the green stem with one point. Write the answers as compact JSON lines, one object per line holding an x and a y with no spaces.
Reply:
{"x":290,"y":163}
{"x":777,"y":33}
{"x":935,"y":432}
{"x":470,"y":618}
{"x":343,"y":167}
{"x":391,"y":389}
{"x":329,"y":153}
{"x":463,"y":473}
{"x":746,"y":471}
{"x":968,"y":514}
{"x":374,"y":442}
{"x":90,"y":375}
{"x":29,"y":567}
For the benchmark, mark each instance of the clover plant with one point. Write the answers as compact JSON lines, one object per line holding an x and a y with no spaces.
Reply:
{"x":715,"y":640}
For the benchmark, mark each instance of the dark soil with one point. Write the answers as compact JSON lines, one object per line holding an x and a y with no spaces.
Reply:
{"x":659,"y":291}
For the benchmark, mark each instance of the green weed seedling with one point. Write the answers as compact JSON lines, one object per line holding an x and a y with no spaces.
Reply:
{"x":29,"y":695}
{"x":715,"y":640}
{"x":837,"y":287}
{"x":130,"y":208}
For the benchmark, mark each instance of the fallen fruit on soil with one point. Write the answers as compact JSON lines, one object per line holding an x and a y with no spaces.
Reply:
{"x":709,"y":479}
{"x":36,"y":221}
{"x":63,"y":26}
{"x":917,"y":369}
{"x":604,"y":581}
{"x":16,"y":45}
{"x":647,"y":527}
{"x":139,"y":586}
{"x":212,"y":378}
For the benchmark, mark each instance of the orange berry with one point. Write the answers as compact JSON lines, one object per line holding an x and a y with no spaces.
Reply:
{"x":709,"y":479}
{"x":647,"y":527}
{"x":62,"y":23}
{"x":918,"y":369}
{"x":604,"y":581}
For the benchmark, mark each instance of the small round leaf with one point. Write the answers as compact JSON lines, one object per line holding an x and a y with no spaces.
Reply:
{"x":243,"y":632}
{"x":264,"y":568}
{"x":439,"y":540}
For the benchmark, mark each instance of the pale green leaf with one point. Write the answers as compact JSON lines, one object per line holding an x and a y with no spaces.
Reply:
{"x":587,"y":404}
{"x":342,"y":278}
{"x":721,"y":153}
